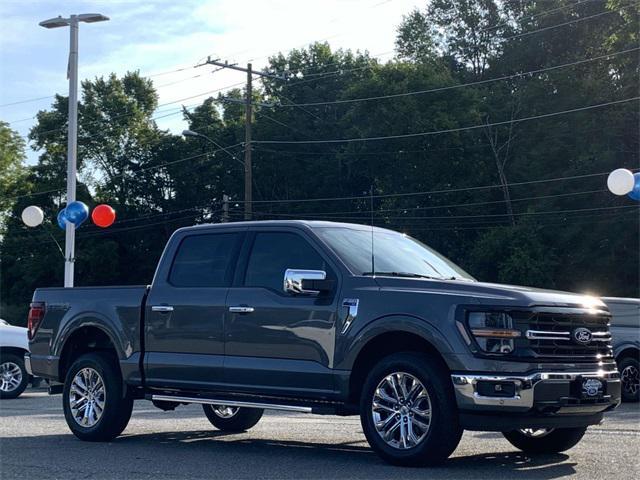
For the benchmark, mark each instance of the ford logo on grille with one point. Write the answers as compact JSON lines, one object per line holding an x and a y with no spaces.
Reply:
{"x":582,"y":335}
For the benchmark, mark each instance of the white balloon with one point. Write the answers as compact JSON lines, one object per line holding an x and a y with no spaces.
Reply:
{"x":620,"y":181}
{"x":32,"y":216}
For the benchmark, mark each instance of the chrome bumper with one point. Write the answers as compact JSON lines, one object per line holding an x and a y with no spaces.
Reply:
{"x":27,"y":363}
{"x":467,"y":396}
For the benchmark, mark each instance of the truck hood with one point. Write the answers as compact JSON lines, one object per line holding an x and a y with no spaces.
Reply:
{"x":15,"y":337}
{"x":493,"y":293}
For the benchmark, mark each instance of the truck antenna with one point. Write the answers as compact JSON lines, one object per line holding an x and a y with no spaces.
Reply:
{"x":373,"y":260}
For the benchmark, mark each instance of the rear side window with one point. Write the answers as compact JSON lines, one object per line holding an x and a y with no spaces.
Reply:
{"x":275,"y":252}
{"x":204,"y":261}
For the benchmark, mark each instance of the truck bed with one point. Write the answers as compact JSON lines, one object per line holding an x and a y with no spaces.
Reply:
{"x":115,"y":310}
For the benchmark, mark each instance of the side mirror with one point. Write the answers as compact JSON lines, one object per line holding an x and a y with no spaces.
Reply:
{"x":306,"y":282}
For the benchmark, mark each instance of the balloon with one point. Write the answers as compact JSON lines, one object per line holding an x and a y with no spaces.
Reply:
{"x":62,"y":219}
{"x":635,"y":193}
{"x":620,"y":181}
{"x":32,"y":216}
{"x":77,"y":212}
{"x":103,"y":215}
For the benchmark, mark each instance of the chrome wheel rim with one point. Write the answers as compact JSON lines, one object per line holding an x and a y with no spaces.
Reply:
{"x":87,"y":396}
{"x":536,"y":432}
{"x":630,"y":380}
{"x":224,"y":411}
{"x":401,"y":410}
{"x":10,"y":376}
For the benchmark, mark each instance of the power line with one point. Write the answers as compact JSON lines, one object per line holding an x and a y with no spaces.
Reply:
{"x":462,"y":85}
{"x":448,"y":130}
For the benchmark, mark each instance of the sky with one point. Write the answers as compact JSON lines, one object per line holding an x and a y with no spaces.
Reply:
{"x":159,"y":36}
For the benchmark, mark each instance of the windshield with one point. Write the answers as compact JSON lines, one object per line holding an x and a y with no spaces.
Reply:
{"x":395,"y":254}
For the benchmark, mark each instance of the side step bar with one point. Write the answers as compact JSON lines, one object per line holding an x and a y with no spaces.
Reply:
{"x":231,"y":403}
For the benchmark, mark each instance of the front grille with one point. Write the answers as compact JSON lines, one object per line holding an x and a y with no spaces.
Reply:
{"x":551,"y":336}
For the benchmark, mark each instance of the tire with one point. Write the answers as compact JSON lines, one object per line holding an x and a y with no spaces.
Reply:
{"x":545,"y":440}
{"x":630,"y":376}
{"x":232,"y":419}
{"x":420,"y":375}
{"x":13,"y":376}
{"x":94,"y":369}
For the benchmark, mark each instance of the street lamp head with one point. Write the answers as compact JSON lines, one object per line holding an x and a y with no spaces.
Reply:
{"x":55,"y":22}
{"x":190,"y":133}
{"x":92,"y":17}
{"x":64,"y":22}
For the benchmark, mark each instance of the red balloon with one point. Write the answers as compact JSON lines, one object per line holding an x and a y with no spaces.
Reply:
{"x":103,"y":216}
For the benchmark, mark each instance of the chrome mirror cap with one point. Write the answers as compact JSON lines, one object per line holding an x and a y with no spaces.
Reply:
{"x":293,"y":281}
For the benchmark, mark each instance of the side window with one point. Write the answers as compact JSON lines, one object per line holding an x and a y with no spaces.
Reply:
{"x":203,"y":260}
{"x":273,"y":253}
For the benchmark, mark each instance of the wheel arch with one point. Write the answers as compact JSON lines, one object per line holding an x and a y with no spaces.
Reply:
{"x":84,"y":339}
{"x":627,"y":351}
{"x":382,"y":341}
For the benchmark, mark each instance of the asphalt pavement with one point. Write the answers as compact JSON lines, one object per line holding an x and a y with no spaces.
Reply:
{"x":35,"y":443}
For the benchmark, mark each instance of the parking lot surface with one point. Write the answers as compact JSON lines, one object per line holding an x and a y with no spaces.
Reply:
{"x":35,"y":443}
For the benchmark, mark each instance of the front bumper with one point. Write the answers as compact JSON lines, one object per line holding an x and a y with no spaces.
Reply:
{"x":544,"y":393}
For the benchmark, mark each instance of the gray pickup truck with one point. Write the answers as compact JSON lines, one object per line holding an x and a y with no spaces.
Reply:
{"x":329,"y":318}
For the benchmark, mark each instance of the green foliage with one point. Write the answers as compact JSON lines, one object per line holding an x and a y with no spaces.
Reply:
{"x":12,"y":170}
{"x":569,"y":234}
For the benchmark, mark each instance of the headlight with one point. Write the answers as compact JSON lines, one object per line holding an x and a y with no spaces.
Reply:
{"x":493,"y":331}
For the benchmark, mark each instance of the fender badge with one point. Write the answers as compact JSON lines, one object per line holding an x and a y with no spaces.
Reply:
{"x":351,"y":305}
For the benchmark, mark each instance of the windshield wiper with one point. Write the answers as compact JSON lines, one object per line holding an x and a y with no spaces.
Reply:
{"x":402,"y":274}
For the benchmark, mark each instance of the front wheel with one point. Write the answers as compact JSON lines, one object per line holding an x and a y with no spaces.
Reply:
{"x":630,"y":377}
{"x":13,"y":376}
{"x":232,"y":419}
{"x":96,"y":406}
{"x":408,"y":411}
{"x":545,"y":440}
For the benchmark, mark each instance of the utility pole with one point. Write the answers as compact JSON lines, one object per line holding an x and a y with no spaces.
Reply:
{"x":248,"y":170}
{"x":248,"y":190}
{"x":225,"y":208}
{"x":72,"y":141}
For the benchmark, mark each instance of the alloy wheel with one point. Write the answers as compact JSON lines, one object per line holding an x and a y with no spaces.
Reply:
{"x":87,"y":397}
{"x":401,"y":410}
{"x":10,"y":376}
{"x":536,"y":432}
{"x":630,"y":380}
{"x":224,"y":411}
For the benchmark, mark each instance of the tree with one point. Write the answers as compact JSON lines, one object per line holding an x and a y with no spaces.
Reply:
{"x":12,"y":169}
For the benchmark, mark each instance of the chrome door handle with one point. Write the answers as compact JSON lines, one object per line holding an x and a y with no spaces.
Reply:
{"x":241,"y":309}
{"x":162,"y":308}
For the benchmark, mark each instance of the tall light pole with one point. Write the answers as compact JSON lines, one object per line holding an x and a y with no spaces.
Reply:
{"x":72,"y":143}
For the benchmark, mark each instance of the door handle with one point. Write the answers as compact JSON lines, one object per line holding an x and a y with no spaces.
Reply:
{"x":241,"y":309}
{"x":162,"y":308}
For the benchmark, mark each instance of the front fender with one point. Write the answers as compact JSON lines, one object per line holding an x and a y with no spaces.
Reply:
{"x":629,"y":345}
{"x":392,"y":324}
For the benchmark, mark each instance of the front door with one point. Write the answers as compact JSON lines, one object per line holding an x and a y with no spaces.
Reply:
{"x":278,"y":343}
{"x":185,"y":312}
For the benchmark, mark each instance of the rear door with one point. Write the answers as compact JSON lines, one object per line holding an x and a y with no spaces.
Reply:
{"x":282,"y":343}
{"x":185,"y":310}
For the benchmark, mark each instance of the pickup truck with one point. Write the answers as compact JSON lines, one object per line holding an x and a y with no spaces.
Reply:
{"x":329,"y":318}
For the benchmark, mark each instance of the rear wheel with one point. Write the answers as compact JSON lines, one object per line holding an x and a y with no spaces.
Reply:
{"x":630,"y":378}
{"x":95,"y":404}
{"x":13,"y":376}
{"x":545,"y":440}
{"x":408,"y":411}
{"x":232,"y":419}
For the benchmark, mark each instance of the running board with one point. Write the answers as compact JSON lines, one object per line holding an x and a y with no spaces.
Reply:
{"x":231,"y":403}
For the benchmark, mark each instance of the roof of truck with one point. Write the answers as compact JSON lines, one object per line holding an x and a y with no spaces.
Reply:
{"x":311,"y":224}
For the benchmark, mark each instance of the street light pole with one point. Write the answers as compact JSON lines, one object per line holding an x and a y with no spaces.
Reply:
{"x":72,"y":136}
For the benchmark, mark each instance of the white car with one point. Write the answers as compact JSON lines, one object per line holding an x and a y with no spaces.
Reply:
{"x":13,"y":345}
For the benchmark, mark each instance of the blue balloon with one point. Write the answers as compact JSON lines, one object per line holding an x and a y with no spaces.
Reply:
{"x":635,"y":193}
{"x":62,"y":219}
{"x":77,"y":212}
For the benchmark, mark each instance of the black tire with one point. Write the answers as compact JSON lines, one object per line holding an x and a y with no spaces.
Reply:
{"x":554,"y":441}
{"x":242,"y":419}
{"x":12,"y":363}
{"x":629,"y":368}
{"x":117,"y":404}
{"x":443,"y":434}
